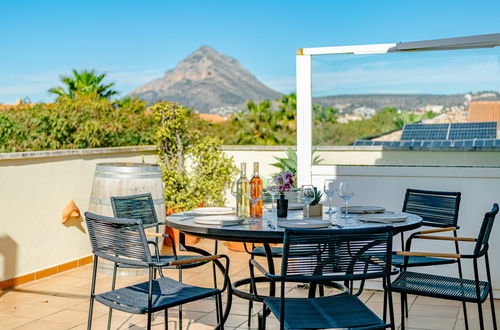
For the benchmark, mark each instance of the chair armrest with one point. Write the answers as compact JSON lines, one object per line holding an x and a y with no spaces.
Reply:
{"x":148,"y":234}
{"x":194,"y":260}
{"x":157,"y":252}
{"x":437,"y":230}
{"x":447,"y":238}
{"x":428,"y":254}
{"x":213,"y":258}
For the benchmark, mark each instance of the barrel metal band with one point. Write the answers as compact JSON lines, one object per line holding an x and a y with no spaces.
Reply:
{"x":107,"y":201}
{"x":127,"y":176}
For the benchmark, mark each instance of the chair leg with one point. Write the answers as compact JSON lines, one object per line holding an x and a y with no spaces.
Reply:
{"x":493,"y":315}
{"x":214,"y":272}
{"x":180,"y":306}
{"x":321,"y":291}
{"x":250,"y":307}
{"x":384,"y":314}
{"x":113,"y":285}
{"x":166,"y":319}
{"x":391,"y":309}
{"x":220,"y":312}
{"x":460,"y":274}
{"x":480,"y":312}
{"x":402,"y":312}
{"x":149,"y":321}
{"x":92,"y":291}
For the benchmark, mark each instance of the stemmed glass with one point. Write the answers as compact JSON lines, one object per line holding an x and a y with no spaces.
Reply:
{"x":307,"y":195}
{"x":234,"y":190}
{"x":330,"y":188}
{"x":254,"y":195}
{"x":346,"y":192}
{"x":272,"y":189}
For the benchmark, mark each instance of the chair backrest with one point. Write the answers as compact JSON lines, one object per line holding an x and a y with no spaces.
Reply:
{"x":437,"y":208}
{"x":484,"y":234}
{"x":336,"y":254}
{"x":135,"y":207}
{"x":118,"y":240}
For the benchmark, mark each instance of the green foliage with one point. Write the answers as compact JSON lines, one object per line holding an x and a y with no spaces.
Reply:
{"x":84,"y":122}
{"x":289,"y":163}
{"x":195,"y":170}
{"x":84,"y":83}
{"x":317,"y":196}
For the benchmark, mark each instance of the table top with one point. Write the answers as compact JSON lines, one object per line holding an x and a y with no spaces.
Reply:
{"x":266,"y":230}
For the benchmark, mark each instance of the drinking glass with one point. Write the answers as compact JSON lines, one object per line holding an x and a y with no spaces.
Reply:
{"x":272,"y":189}
{"x":254,"y":196}
{"x":307,"y":195}
{"x":234,"y":190}
{"x":330,"y":188}
{"x":346,"y":192}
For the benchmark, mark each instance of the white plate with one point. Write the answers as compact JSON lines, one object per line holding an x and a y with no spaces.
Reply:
{"x":224,"y":220}
{"x":363,"y":209}
{"x":382,"y":218}
{"x":295,"y":206}
{"x":213,"y":210}
{"x":311,"y":223}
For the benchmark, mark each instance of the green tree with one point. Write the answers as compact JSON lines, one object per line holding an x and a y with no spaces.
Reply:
{"x":84,"y":83}
{"x":195,"y":170}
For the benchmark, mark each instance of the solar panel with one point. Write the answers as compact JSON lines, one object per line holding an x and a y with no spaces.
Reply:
{"x":456,"y":144}
{"x":425,"y":132}
{"x":455,"y":131}
{"x":487,"y":130}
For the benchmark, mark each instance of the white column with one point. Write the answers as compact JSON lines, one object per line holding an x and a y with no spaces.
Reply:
{"x":304,"y":118}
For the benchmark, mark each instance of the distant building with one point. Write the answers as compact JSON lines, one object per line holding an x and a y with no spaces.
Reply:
{"x":484,"y":111}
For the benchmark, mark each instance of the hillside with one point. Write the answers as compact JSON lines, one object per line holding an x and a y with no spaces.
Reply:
{"x":208,"y":81}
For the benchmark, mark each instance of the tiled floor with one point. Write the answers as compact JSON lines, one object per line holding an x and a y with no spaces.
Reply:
{"x":61,"y":302}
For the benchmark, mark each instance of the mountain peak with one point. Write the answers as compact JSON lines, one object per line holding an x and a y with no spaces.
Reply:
{"x":206,"y":80}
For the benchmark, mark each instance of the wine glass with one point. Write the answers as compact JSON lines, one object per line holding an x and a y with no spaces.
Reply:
{"x":254,"y":195}
{"x":330,"y":189}
{"x":307,"y":195}
{"x":272,"y":189}
{"x":346,"y":192}
{"x":234,"y":190}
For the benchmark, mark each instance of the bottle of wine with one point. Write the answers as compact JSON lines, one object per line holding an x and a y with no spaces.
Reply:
{"x":242,"y":207}
{"x":256,"y":182}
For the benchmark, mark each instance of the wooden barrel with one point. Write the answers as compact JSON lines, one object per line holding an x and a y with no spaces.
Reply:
{"x":123,"y":179}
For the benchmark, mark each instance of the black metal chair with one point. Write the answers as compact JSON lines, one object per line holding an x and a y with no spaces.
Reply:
{"x":454,"y":288}
{"x":123,"y":241}
{"x":142,"y":207}
{"x":322,"y":256}
{"x":438,"y":209}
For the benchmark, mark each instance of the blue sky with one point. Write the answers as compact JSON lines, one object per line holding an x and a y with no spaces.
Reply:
{"x":135,"y":42}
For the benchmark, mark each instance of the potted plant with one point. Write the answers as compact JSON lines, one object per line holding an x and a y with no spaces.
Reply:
{"x":196,"y":172}
{"x":315,"y":208}
{"x":284,"y":181}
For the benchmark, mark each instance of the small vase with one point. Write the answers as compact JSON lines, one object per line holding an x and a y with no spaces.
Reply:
{"x":282,"y":206}
{"x":314,"y":211}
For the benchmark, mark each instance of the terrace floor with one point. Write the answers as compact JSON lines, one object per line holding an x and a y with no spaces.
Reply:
{"x":61,"y":302}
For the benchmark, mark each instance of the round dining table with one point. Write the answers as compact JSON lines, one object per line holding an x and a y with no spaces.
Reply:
{"x":267,"y":230}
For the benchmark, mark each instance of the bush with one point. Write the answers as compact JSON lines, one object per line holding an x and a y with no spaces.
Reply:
{"x":84,"y":122}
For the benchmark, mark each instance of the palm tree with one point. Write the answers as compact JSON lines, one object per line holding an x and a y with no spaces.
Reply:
{"x":84,"y":82}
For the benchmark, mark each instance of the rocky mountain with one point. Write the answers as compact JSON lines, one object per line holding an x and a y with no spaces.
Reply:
{"x":208,"y":81}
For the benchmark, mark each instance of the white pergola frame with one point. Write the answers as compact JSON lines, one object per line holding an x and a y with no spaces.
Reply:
{"x":304,"y":81}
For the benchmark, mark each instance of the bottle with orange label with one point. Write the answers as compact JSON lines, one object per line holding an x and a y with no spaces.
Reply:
{"x":256,"y":181}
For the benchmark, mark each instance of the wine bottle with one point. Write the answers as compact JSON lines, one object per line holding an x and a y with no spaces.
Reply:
{"x":242,"y":207}
{"x":256,"y":181}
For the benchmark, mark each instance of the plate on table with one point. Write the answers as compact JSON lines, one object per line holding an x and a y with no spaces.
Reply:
{"x":363,"y":209}
{"x":295,"y":206}
{"x":224,"y":220}
{"x":213,"y":210}
{"x":383,"y":218}
{"x":311,"y":223}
